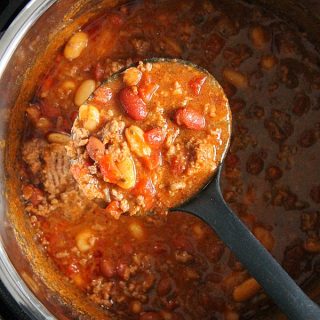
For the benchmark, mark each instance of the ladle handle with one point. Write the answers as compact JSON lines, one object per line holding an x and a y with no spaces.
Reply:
{"x":211,"y":207}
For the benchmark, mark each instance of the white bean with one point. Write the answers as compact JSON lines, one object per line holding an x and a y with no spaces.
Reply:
{"x":75,"y":45}
{"x":90,"y":116}
{"x":84,"y":91}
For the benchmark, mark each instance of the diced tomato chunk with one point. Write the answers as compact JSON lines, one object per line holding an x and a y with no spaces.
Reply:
{"x":196,"y":84}
{"x":178,"y":165}
{"x":190,"y":118}
{"x":147,"y":90}
{"x":153,"y":161}
{"x":109,"y":170}
{"x":155,"y":137}
{"x":95,"y":148}
{"x":132,"y":104}
{"x":113,"y":209}
{"x":102,"y":95}
{"x":146,"y":188}
{"x":32,"y":194}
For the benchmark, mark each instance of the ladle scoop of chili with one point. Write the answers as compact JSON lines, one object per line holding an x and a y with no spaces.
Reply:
{"x":149,"y":137}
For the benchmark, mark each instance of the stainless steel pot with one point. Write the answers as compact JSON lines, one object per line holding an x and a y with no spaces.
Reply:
{"x":33,"y":36}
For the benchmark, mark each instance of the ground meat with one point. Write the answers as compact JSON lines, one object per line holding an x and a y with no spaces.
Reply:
{"x":32,"y":154}
{"x":112,"y":131}
{"x":56,"y":171}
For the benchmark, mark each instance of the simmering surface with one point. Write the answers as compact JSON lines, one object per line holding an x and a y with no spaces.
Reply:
{"x":174,"y":267}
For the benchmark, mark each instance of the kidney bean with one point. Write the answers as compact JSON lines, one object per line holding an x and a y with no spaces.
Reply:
{"x":196,"y":84}
{"x":273,"y":173}
{"x":254,"y":164}
{"x":190,"y":118}
{"x":301,"y":104}
{"x":107,"y":268}
{"x":132,"y":104}
{"x":95,"y":148}
{"x":155,"y":137}
{"x":315,"y":193}
{"x":307,"y":138}
{"x":164,"y":286}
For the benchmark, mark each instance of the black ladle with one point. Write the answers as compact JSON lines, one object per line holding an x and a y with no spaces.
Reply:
{"x":210,"y":206}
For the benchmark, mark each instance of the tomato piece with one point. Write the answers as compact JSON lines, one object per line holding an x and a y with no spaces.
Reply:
{"x":102,"y":95}
{"x":95,"y":148}
{"x":146,"y":188}
{"x":147,"y":90}
{"x":109,"y":170}
{"x":32,"y":194}
{"x":49,"y":111}
{"x":132,"y":104}
{"x":153,"y":161}
{"x":190,"y":118}
{"x":196,"y":84}
{"x":113,"y":209}
{"x":178,"y":165}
